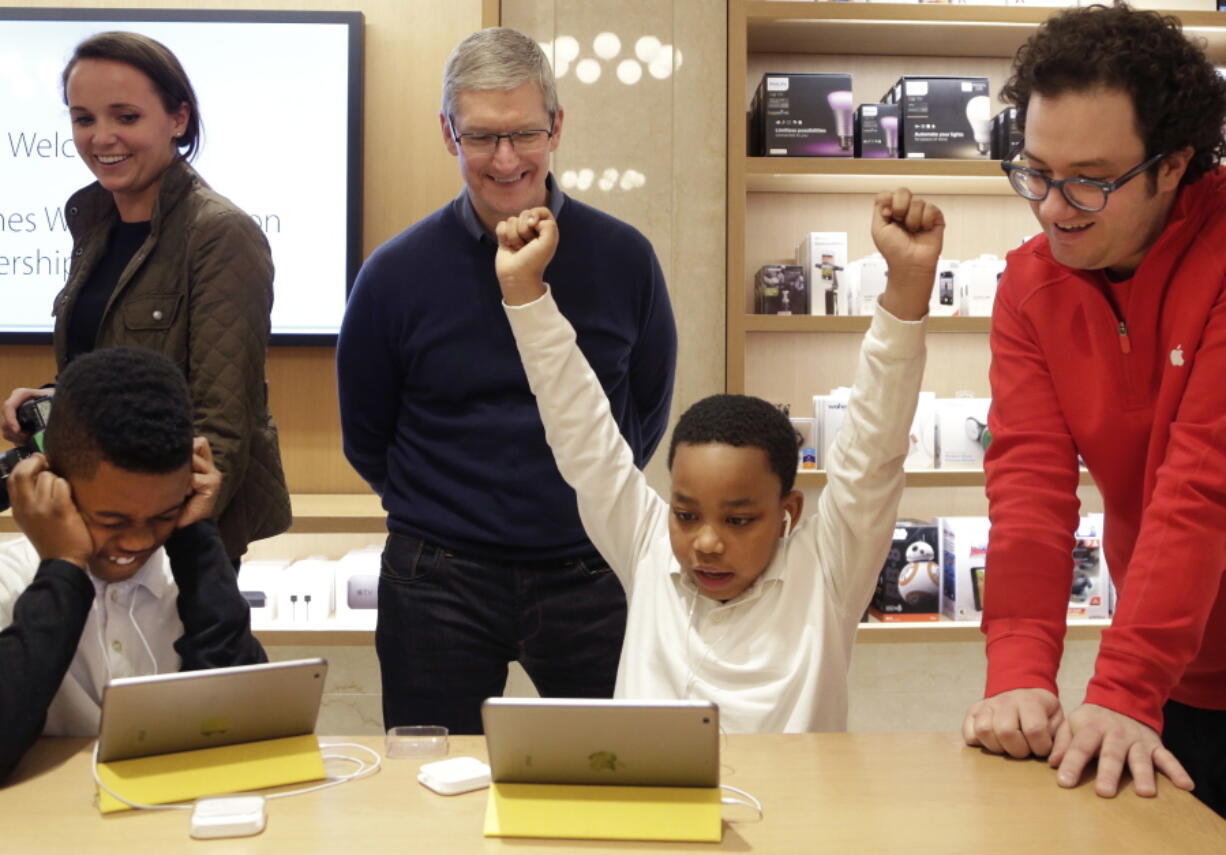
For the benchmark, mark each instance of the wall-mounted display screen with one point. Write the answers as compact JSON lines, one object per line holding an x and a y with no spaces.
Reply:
{"x":280,"y":95}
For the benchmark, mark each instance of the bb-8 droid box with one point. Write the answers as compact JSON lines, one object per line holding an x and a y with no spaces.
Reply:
{"x":909,"y":586}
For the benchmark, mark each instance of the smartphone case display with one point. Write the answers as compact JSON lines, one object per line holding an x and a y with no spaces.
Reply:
{"x":802,"y":115}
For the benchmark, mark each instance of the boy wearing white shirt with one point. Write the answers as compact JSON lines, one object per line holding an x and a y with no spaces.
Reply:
{"x":733,"y":597}
{"x":121,"y":572}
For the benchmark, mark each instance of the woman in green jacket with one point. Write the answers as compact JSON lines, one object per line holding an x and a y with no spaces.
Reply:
{"x":163,"y":262}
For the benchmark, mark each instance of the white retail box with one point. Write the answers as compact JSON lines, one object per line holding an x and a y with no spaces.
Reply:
{"x":961,"y":432}
{"x":867,"y":283}
{"x":828,"y":413}
{"x":964,"y":553}
{"x":260,"y":584}
{"x":357,"y":587}
{"x":823,"y":255}
{"x":305,"y":598}
{"x":921,"y":442}
{"x":976,"y":283}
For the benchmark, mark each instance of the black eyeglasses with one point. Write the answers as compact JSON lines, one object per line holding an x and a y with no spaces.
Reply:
{"x":524,"y":142}
{"x":1084,"y":194}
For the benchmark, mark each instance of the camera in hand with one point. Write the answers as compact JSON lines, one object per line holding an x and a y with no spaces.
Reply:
{"x":32,"y":416}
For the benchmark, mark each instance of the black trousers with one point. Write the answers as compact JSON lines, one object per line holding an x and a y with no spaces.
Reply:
{"x":1197,"y":737}
{"x":448,"y":626}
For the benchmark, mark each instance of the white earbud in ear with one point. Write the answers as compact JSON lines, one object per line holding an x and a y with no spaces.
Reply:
{"x":787,"y":522}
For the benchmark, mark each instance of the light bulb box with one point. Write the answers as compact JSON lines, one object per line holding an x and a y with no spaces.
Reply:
{"x":961,"y":429}
{"x":943,"y":116}
{"x":909,"y":585}
{"x":877,"y":127}
{"x":964,"y":553}
{"x":1006,"y":135}
{"x":803,"y":115}
{"x":780,"y":289}
{"x":823,"y":257}
{"x":1090,"y":595}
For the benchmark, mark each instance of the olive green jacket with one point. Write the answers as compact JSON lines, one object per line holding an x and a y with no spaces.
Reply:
{"x":199,"y":290}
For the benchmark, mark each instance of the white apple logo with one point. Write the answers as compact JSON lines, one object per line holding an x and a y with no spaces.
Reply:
{"x":1177,"y":355}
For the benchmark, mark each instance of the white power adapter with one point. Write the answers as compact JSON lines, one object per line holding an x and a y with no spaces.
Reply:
{"x":455,"y":776}
{"x":228,"y":816}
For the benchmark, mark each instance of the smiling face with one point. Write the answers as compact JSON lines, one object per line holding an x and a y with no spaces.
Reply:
{"x":727,"y":515}
{"x":129,"y":515}
{"x":506,"y":182}
{"x":122,"y":131}
{"x":1093,"y":134}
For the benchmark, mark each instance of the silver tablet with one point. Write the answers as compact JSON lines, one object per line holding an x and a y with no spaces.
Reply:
{"x":201,"y":709}
{"x":618,"y":742}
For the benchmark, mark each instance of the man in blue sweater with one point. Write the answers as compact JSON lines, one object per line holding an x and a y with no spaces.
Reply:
{"x":486,"y":561}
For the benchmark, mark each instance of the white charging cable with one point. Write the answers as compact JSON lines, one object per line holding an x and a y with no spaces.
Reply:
{"x":364,"y":769}
{"x":749,"y":800}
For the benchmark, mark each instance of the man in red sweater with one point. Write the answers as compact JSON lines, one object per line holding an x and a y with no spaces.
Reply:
{"x":1109,"y":342}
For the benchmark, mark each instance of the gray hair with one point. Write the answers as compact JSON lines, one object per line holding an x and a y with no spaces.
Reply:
{"x":497,"y":58}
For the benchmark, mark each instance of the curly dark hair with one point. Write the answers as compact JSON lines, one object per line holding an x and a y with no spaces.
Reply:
{"x":740,"y":421}
{"x":1179,"y":98}
{"x":126,"y":406}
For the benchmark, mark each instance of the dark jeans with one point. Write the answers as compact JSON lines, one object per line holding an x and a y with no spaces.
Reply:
{"x":448,"y":626}
{"x":1197,"y":738}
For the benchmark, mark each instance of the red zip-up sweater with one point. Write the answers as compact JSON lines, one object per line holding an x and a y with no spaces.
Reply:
{"x":1142,"y":397}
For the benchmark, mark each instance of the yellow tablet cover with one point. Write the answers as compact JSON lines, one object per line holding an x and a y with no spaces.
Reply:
{"x":590,"y":812}
{"x":186,"y":775}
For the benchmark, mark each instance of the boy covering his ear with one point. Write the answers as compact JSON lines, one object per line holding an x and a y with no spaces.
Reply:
{"x":122,"y":571}
{"x":726,"y":601}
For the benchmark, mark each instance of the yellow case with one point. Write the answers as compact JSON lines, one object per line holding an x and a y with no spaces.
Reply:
{"x":186,"y":775}
{"x":588,"y":812}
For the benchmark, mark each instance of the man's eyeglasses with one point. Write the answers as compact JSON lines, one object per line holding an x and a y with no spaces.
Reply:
{"x":524,"y":142}
{"x":1085,"y":194}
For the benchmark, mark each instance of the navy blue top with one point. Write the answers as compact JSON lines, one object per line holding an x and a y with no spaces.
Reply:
{"x":436,"y":412}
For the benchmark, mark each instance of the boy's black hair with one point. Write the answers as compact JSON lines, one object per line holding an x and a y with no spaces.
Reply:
{"x":126,"y":406}
{"x":740,"y":421}
{"x":1177,"y":94}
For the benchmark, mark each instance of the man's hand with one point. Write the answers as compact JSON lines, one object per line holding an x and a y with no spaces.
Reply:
{"x":46,"y":514}
{"x":9,"y":425}
{"x":525,"y":247}
{"x":206,"y":484}
{"x":908,"y":232}
{"x":1019,"y":722}
{"x":1115,"y":739}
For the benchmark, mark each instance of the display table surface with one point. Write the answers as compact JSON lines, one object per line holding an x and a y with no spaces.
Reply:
{"x":837,"y":793}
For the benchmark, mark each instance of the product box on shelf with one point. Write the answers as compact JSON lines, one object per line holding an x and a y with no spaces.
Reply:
{"x":976,"y":281}
{"x":260,"y":584}
{"x":865,"y":283}
{"x":356,"y":590}
{"x":828,"y":414}
{"x":305,"y":597}
{"x":877,"y":130}
{"x":1091,"y":594}
{"x":823,"y":256}
{"x":964,"y":552}
{"x":781,"y":289}
{"x":943,"y":116}
{"x":802,"y":115}
{"x":806,"y":443}
{"x":1006,"y":135}
{"x":921,"y":443}
{"x":909,"y":586}
{"x":944,"y":300}
{"x":961,"y":432}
